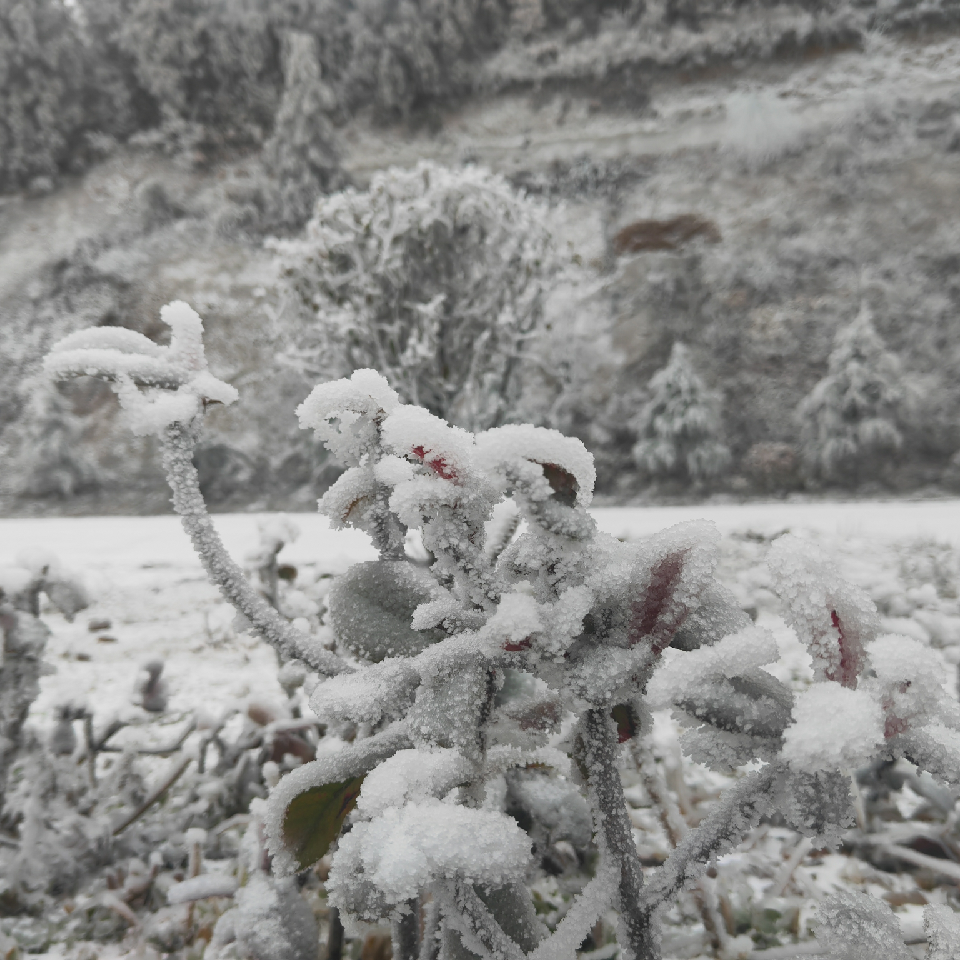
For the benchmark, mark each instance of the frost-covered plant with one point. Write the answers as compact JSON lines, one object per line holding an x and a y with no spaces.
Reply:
{"x":203,"y":62}
{"x":24,"y":638}
{"x":849,"y":422}
{"x":435,"y":277}
{"x":411,"y":55}
{"x":528,"y":647}
{"x":678,"y":427}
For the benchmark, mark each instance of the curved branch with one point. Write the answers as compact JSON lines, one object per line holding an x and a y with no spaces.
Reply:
{"x":737,"y":812}
{"x":179,"y":442}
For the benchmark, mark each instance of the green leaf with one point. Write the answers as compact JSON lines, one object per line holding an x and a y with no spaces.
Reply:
{"x":314,"y":818}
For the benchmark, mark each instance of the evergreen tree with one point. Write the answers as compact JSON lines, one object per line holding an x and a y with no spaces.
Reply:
{"x":848,"y":422}
{"x":679,"y":425}
{"x":301,"y":153}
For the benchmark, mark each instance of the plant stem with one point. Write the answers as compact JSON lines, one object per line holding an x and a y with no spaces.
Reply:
{"x":600,"y":750}
{"x":405,"y":934}
{"x":179,"y":442}
{"x":335,"y":936}
{"x":467,"y":913}
{"x":738,"y":811}
{"x":155,"y":796}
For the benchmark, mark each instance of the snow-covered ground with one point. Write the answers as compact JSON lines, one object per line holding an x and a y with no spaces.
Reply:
{"x":145,"y":579}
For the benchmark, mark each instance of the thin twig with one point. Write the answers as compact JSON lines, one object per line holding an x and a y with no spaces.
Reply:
{"x":736,"y":812}
{"x":782,"y":878}
{"x":155,"y":796}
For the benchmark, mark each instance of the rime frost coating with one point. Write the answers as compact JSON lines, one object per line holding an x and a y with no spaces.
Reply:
{"x":157,"y":386}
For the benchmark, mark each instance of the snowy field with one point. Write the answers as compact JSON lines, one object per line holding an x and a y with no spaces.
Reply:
{"x":145,"y":579}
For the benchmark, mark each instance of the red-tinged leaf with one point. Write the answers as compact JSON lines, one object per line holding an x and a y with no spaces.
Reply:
{"x":512,"y":646}
{"x":562,"y":482}
{"x":437,"y":464}
{"x":650,"y":615}
{"x":848,"y":671}
{"x":625,"y":721}
{"x":314,"y":818}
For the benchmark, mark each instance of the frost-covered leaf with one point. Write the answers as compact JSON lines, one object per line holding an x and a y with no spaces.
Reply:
{"x":157,"y":386}
{"x":834,"y":728}
{"x":313,"y":819}
{"x":564,"y":463}
{"x":412,"y":775}
{"x":372,"y":607}
{"x":816,"y":805}
{"x":856,"y":926}
{"x":833,"y":618}
{"x":385,"y":689}
{"x":908,"y":680}
{"x":716,"y":616}
{"x":346,"y":414}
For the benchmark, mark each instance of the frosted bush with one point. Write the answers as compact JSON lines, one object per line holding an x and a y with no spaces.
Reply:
{"x":435,"y":277}
{"x":531,"y":647}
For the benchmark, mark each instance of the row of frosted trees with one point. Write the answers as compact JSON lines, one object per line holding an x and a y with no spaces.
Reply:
{"x":848,"y":421}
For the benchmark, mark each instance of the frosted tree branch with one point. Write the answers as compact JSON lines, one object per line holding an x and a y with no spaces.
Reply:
{"x":470,"y":916}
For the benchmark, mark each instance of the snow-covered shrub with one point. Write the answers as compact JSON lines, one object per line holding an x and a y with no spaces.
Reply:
{"x":437,"y":278}
{"x":414,"y":54}
{"x":678,"y":427}
{"x":850,"y":421}
{"x":301,"y":153}
{"x":538,"y":647}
